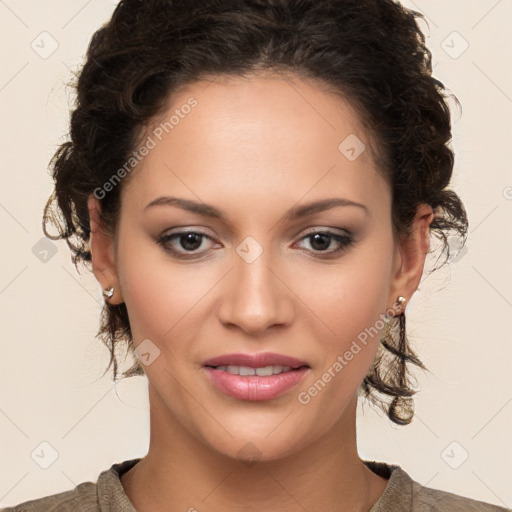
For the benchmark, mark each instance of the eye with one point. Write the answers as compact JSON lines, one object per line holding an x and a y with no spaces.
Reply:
{"x":321,"y":240}
{"x":185,"y":244}
{"x":188,"y":241}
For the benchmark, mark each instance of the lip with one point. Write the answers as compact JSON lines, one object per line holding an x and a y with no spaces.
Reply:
{"x":254,"y":387}
{"x":255,"y":360}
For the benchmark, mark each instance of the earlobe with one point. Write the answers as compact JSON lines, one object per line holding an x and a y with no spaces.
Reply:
{"x":101,"y":245}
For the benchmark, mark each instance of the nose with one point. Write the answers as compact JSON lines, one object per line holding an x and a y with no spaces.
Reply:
{"x":256,"y":295}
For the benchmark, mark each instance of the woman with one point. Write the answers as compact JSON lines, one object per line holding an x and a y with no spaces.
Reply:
{"x":255,"y":185}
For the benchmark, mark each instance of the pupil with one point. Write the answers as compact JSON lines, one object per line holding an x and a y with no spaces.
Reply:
{"x":316,"y":238}
{"x":189,"y":238}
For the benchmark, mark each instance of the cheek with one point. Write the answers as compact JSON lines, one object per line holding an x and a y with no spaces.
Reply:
{"x":156,"y":297}
{"x":349,"y":306}
{"x":348,"y":299}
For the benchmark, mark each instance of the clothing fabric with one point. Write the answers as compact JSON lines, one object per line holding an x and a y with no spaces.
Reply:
{"x":402,"y":494}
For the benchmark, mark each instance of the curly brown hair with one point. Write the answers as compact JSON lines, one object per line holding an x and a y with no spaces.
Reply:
{"x":370,"y":52}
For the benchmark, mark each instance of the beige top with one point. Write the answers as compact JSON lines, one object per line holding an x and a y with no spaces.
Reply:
{"x":402,"y":494}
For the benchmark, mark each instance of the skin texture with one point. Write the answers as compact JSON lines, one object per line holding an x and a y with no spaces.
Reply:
{"x":255,"y":147}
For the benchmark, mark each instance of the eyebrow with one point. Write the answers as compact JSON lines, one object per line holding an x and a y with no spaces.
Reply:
{"x":294,"y":213}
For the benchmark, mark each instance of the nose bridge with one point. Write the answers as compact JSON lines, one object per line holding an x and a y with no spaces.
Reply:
{"x":256,"y":298}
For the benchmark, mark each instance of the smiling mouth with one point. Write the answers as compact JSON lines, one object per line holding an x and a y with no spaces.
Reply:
{"x":258,"y":383}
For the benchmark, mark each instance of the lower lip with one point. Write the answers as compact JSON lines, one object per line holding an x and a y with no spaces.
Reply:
{"x":254,"y":387}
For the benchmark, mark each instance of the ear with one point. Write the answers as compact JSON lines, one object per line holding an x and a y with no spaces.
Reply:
{"x":102,"y":249}
{"x":410,"y":257}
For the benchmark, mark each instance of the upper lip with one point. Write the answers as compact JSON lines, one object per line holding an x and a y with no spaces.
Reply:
{"x":255,"y":360}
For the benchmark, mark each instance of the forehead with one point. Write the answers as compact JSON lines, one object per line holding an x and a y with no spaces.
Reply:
{"x":235,"y":137}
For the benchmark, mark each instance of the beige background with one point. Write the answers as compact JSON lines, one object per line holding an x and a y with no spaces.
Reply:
{"x":51,"y":388}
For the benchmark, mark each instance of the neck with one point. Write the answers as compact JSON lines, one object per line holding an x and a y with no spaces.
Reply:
{"x":182,"y":473}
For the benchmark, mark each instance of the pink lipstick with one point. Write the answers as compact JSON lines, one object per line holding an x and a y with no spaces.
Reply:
{"x":255,"y":376}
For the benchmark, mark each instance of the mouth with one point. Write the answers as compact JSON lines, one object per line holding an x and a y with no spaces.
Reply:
{"x":255,"y":376}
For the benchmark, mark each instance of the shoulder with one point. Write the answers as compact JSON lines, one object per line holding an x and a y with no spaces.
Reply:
{"x":106,"y":494}
{"x":403,"y":494}
{"x":83,"y":497}
{"x":427,"y":499}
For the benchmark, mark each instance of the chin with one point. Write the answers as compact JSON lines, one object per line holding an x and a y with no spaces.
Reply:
{"x":252,"y":447}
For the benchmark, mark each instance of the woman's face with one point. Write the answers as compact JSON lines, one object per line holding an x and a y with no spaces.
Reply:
{"x":253,"y":278}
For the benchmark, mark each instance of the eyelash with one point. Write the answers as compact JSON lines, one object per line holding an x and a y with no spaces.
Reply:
{"x":346,"y":241}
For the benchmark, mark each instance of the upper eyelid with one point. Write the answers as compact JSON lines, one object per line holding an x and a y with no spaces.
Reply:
{"x":315,"y":229}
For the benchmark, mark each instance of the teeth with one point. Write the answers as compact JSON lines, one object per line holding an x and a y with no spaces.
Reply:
{"x":262,"y":372}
